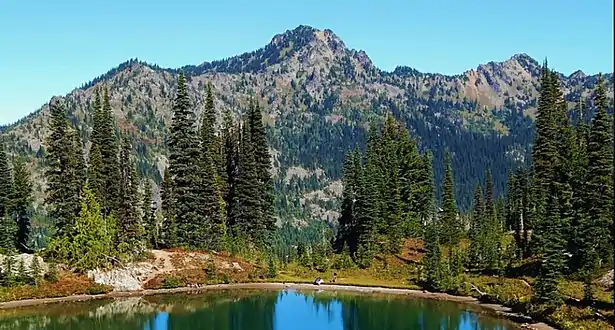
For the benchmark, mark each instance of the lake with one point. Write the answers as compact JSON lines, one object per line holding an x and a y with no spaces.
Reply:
{"x":255,"y":310}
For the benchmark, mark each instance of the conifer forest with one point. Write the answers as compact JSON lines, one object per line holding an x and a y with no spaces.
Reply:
{"x":553,"y":222}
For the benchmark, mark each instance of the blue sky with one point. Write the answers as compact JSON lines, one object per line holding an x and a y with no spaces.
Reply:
{"x":50,"y":47}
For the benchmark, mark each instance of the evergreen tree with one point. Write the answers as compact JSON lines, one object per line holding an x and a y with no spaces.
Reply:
{"x":8,"y":231}
{"x":21,"y":203}
{"x":546,"y":289}
{"x":427,"y":200}
{"x":78,"y":160}
{"x":168,"y":232}
{"x":6,"y":182}
{"x":245,"y":211}
{"x":451,"y":227}
{"x":109,"y":150}
{"x":367,"y":215}
{"x":228,"y":148}
{"x":96,"y":179}
{"x":489,"y":207}
{"x":432,"y":259}
{"x":347,"y":231}
{"x":262,"y":163}
{"x":62,"y":184}
{"x":35,"y":269}
{"x":414,"y":185}
{"x":149,"y":222}
{"x":476,"y":229}
{"x":490,"y":235}
{"x":128,"y":214}
{"x":213,"y":230}
{"x":184,"y":170}
{"x":8,"y":270}
{"x":391,"y":227}
{"x":594,"y":238}
{"x":92,"y":243}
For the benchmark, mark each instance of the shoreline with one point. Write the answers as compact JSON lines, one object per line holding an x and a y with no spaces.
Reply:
{"x":498,"y":310}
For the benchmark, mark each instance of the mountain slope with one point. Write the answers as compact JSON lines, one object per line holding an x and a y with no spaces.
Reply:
{"x":320,"y":97}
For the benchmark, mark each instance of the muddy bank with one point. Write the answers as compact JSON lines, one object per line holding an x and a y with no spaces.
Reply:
{"x":499,"y":310}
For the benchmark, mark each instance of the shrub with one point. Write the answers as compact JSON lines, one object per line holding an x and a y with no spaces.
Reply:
{"x":342,"y":261}
{"x":96,"y":288}
{"x":172,"y":282}
{"x":52,"y":274}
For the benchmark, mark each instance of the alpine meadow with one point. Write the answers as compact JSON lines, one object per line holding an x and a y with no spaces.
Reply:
{"x":302,"y":159}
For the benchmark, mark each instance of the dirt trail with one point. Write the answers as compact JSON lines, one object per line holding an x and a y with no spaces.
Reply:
{"x":162,"y":264}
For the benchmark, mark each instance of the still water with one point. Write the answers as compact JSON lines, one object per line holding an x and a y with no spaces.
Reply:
{"x":255,"y":310}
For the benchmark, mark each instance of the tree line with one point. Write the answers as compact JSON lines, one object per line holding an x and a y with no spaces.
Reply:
{"x":557,"y":211}
{"x":217,"y":191}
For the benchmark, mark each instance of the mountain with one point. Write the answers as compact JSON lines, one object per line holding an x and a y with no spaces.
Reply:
{"x":320,"y":98}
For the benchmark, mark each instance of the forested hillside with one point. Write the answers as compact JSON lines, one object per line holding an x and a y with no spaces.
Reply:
{"x":319,"y":98}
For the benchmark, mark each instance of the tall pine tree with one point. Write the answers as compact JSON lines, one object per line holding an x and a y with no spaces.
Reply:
{"x":6,"y":182}
{"x":213,"y":231}
{"x":451,"y":229}
{"x":62,"y":182}
{"x":21,"y":202}
{"x":184,"y":169}
{"x":262,"y":162}
{"x":128,"y":214}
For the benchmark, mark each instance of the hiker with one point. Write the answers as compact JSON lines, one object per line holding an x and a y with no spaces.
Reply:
{"x":334,"y":277}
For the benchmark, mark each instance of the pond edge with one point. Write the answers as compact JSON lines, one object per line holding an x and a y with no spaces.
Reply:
{"x":499,"y":310}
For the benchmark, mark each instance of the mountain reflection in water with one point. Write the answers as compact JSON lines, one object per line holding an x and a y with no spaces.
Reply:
{"x":255,"y":310}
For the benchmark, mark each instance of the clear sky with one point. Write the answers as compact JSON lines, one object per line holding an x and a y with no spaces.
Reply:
{"x":49,"y":47}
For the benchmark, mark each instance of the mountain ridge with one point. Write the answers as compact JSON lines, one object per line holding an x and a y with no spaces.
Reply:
{"x":319,"y":98}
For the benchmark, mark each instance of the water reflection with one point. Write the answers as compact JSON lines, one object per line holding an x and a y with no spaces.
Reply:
{"x":159,"y":322}
{"x":255,"y":310}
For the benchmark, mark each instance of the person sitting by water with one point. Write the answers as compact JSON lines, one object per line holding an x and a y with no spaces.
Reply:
{"x":318,"y":281}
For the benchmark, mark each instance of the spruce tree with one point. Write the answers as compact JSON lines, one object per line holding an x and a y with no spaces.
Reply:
{"x":367,"y":214}
{"x":62,"y":184}
{"x":392,"y":215}
{"x":552,"y":265}
{"x":184,"y":169}
{"x":8,"y":231}
{"x":168,"y":232}
{"x":262,"y":161}
{"x":414,"y":189}
{"x":213,"y":231}
{"x":451,"y":229}
{"x":128,"y":214}
{"x":432,"y":260}
{"x":150,"y":226}
{"x":347,"y":231}
{"x":490,"y":235}
{"x":476,"y":229}
{"x":6,"y":182}
{"x":594,"y":236}
{"x":579,"y":196}
{"x":543,"y":152}
{"x":78,"y":159}
{"x":21,"y":202}
{"x":92,"y":243}
{"x":109,"y":149}
{"x":35,"y":269}
{"x":245,"y":208}
{"x":489,"y":210}
{"x":96,"y":179}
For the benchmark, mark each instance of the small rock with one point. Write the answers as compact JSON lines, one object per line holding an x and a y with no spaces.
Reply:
{"x":606,"y":281}
{"x":237,"y":267}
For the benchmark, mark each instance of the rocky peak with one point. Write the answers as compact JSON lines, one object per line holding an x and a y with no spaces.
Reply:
{"x":577,"y":75}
